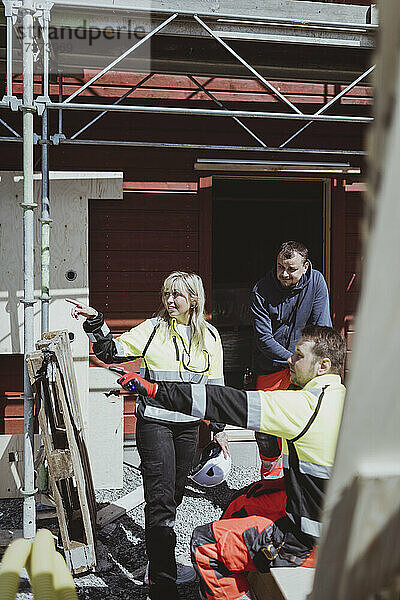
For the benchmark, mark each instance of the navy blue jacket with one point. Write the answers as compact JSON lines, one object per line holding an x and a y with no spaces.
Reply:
{"x":279,"y":316}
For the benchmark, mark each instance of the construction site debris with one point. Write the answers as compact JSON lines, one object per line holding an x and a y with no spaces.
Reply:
{"x":53,"y":381}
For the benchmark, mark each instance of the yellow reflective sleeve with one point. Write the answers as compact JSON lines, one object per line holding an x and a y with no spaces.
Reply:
{"x":285,"y":412}
{"x":134,"y":341}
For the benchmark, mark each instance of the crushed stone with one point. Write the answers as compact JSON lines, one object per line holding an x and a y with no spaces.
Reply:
{"x":121,"y":548}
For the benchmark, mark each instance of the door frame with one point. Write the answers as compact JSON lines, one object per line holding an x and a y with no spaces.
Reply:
{"x":206,"y":197}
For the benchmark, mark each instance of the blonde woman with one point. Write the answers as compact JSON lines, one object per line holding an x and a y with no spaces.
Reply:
{"x":177,"y":345}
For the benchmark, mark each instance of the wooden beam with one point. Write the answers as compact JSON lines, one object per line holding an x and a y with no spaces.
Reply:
{"x":120,"y":507}
{"x":52,"y":376}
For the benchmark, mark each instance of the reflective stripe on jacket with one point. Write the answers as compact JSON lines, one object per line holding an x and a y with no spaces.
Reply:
{"x":307,"y":460}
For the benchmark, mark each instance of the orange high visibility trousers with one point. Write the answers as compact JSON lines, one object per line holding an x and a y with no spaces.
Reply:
{"x":220,"y":550}
{"x":271,"y":465}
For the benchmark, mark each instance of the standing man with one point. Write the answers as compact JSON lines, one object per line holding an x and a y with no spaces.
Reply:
{"x":283,"y":302}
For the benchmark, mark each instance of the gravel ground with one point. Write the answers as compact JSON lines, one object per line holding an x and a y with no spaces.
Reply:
{"x":121,"y":550}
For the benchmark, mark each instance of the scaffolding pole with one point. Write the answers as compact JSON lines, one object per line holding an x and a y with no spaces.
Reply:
{"x":29,"y":516}
{"x":118,"y":101}
{"x":45,"y":230}
{"x":252,"y":70}
{"x":329,"y":104}
{"x":45,"y":219}
{"x":204,"y":112}
{"x":189,"y":146}
{"x":118,"y":60}
{"x":221,"y":105}
{"x":268,"y":20}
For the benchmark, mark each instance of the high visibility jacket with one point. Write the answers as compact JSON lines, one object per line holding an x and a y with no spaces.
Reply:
{"x":167,"y":357}
{"x":307,"y":420}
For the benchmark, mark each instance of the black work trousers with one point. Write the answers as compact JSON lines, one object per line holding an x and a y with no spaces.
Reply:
{"x":166,"y":453}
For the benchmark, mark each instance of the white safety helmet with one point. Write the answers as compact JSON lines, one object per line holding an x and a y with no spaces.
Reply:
{"x":212,"y":468}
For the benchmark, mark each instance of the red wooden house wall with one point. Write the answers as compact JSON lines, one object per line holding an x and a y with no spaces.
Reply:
{"x":164,"y":221}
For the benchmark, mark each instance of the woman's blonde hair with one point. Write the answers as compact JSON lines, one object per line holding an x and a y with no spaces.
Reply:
{"x":191,"y":286}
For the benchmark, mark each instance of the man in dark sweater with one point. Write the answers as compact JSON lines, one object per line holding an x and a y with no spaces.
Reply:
{"x":289,"y":297}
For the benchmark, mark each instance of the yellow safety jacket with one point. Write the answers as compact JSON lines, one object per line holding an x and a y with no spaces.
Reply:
{"x":166,"y":356}
{"x":307,"y":420}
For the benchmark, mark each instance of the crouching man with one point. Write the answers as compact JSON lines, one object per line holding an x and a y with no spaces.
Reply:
{"x":308,"y":422}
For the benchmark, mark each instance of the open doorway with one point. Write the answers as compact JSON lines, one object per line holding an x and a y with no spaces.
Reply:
{"x":250,"y":219}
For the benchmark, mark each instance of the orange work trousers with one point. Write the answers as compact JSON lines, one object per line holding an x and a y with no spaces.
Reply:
{"x":221,"y":550}
{"x":269,"y":446}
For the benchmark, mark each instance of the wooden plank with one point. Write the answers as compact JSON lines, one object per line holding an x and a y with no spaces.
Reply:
{"x":205,"y":237}
{"x":338,"y":254}
{"x":143,"y":261}
{"x":357,"y":187}
{"x":353,"y":262}
{"x":353,"y":222}
{"x":47,"y":416}
{"x":118,"y":240}
{"x":13,"y":425}
{"x":240,"y":435}
{"x":133,"y":281}
{"x":120,"y":507}
{"x":61,"y":464}
{"x":295,"y":584}
{"x":165,"y":81}
{"x":115,"y":301}
{"x":141,"y":220}
{"x":162,"y":186}
{"x":77,"y":441}
{"x":355,"y":99}
{"x":264,"y":586}
{"x":353,"y":242}
{"x":180,"y":87}
{"x":62,"y":430}
{"x":164,"y":202}
{"x":355,"y":571}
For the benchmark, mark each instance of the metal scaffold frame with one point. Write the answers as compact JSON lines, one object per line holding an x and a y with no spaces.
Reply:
{"x":30,"y":10}
{"x":43,"y":103}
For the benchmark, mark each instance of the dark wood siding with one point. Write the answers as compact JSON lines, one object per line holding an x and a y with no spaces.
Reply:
{"x":347,"y":212}
{"x":165,"y":222}
{"x":11,"y":388}
{"x":353,"y":251}
{"x":145,"y":236}
{"x":353,"y":264}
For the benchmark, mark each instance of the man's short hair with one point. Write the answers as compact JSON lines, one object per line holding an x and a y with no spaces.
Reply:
{"x":287,"y":249}
{"x":328,"y":343}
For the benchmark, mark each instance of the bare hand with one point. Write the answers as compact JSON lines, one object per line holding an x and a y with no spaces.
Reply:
{"x":81,"y":310}
{"x":222,"y":439}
